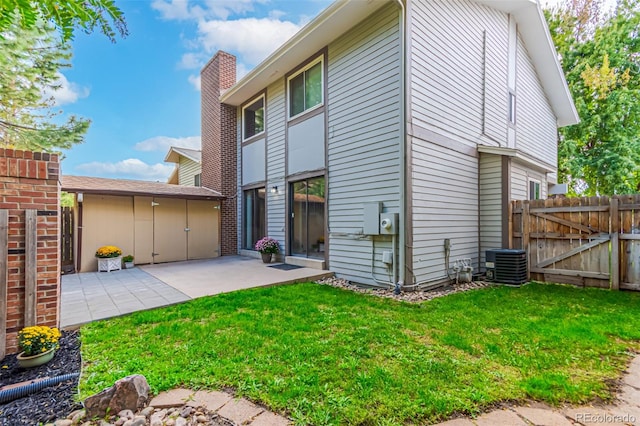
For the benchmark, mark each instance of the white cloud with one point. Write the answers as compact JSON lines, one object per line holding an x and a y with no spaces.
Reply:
{"x":172,"y":9}
{"x":162,"y":143}
{"x":129,"y":168}
{"x":67,"y":92}
{"x":191,"y":61}
{"x":219,"y":9}
{"x":195,"y":81}
{"x":252,"y":38}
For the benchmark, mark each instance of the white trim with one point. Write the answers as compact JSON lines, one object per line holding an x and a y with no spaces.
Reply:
{"x":539,"y":183}
{"x":264,"y":124}
{"x":319,"y":60}
{"x":518,"y":155}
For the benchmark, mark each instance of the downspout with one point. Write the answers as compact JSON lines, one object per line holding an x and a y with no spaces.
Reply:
{"x":402,"y":152}
{"x":80,"y":199}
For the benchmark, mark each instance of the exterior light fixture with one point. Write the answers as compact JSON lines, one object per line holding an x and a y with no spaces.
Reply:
{"x":274,"y":189}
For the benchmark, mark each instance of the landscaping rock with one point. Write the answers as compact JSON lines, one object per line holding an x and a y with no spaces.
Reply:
{"x":405,"y":296}
{"x":129,"y":393}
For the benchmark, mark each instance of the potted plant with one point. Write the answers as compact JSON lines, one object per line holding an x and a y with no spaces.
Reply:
{"x":109,"y":258}
{"x":38,"y":344}
{"x":128,"y":261}
{"x":267,"y":248}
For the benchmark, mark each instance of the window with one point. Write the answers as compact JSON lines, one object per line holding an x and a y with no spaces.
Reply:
{"x":512,"y":108}
{"x":253,"y":222}
{"x":253,"y":118}
{"x":305,"y":89}
{"x":534,"y":190}
{"x":197,"y":180}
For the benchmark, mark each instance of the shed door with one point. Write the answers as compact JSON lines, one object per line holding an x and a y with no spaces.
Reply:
{"x":169,"y":225}
{"x":203,"y":229}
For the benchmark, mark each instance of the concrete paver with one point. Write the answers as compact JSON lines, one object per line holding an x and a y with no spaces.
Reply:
{"x":240,"y":411}
{"x":211,"y":400}
{"x":593,"y":416}
{"x":543,"y":416}
{"x":268,"y":418}
{"x":457,"y":422}
{"x":93,"y":296}
{"x":172,"y":398}
{"x":500,"y":418}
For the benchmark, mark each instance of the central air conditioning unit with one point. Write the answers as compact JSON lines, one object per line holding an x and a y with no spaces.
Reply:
{"x":506,"y":266}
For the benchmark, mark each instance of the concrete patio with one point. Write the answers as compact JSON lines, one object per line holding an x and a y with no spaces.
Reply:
{"x":93,"y":296}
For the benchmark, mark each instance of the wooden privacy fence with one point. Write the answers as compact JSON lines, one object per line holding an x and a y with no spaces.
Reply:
{"x":589,"y":241}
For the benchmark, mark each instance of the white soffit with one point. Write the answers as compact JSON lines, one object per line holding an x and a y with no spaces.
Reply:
{"x":334,"y":21}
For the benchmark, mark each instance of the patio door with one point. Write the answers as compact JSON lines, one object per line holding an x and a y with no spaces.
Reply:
{"x":307,"y":220}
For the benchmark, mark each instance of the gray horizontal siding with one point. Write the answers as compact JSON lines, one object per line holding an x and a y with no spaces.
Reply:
{"x":448,"y":90}
{"x":536,"y":130}
{"x":276,"y":203}
{"x":444,"y":205}
{"x":520,"y":176}
{"x":363,"y":139}
{"x":490,"y":204}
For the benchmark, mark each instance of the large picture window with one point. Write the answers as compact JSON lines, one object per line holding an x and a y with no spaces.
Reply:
{"x":305,"y":89}
{"x":253,"y":118}
{"x":253,"y":223}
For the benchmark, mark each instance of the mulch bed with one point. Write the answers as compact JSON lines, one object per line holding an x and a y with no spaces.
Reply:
{"x":50,"y":403}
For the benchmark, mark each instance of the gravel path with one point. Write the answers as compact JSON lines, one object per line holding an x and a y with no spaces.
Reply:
{"x":50,"y":403}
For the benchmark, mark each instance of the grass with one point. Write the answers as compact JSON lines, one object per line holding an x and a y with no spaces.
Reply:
{"x":328,"y":356}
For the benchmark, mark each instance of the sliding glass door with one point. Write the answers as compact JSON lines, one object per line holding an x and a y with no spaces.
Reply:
{"x":307,"y":218}
{"x":253,"y":222}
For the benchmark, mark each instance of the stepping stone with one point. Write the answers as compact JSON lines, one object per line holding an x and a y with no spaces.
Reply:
{"x":456,"y":422}
{"x":593,"y":416}
{"x":500,"y":418}
{"x":269,"y":419}
{"x":630,"y":395}
{"x":240,"y":411}
{"x":543,"y":416}
{"x":211,"y":400}
{"x":172,"y":398}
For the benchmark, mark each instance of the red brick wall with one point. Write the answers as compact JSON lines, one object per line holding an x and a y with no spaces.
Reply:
{"x":30,"y":180}
{"x":219,"y":150}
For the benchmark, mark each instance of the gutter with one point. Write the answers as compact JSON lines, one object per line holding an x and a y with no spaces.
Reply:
{"x":402,"y":153}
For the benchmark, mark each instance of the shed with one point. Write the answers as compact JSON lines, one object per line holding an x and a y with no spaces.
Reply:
{"x":155,"y":222}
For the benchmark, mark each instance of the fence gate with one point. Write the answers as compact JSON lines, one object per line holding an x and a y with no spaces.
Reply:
{"x":590,"y":241}
{"x":67,"y":264}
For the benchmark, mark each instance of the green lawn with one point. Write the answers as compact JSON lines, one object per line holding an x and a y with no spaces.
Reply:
{"x":328,"y":356}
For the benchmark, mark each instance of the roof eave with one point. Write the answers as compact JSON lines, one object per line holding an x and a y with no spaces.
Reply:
{"x":326,"y":27}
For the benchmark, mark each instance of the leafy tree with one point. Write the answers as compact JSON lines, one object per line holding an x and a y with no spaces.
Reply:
{"x":29,"y":66}
{"x":600,"y":56}
{"x":65,"y":15}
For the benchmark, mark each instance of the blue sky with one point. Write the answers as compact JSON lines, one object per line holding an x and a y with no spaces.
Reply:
{"x":142,"y":93}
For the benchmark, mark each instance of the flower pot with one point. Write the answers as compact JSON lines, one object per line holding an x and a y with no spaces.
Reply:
{"x":128,"y":265}
{"x":266,"y":257}
{"x":109,"y":264}
{"x":25,"y":361}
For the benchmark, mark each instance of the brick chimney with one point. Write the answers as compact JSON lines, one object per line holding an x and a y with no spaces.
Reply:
{"x":219,"y":144}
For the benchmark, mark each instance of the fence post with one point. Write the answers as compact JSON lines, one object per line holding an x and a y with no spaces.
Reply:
{"x":525,"y":235}
{"x":4,"y":279}
{"x":510,"y":226}
{"x":30,"y":266}
{"x":614,"y":232}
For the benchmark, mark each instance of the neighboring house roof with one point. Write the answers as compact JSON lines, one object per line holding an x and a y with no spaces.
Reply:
{"x":173,"y":156}
{"x":105,"y":186}
{"x":343,"y":15}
